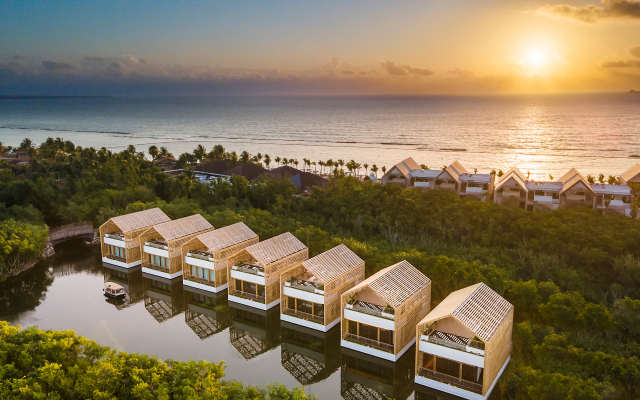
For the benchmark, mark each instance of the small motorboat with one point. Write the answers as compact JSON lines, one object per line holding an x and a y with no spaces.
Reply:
{"x":113,"y":290}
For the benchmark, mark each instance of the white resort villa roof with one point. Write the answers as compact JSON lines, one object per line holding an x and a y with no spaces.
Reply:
{"x":575,"y":179}
{"x":476,"y":178}
{"x":332,"y":263}
{"x":406,"y":166}
{"x":228,"y":236}
{"x":605,"y":188}
{"x":477,"y":307}
{"x":182,"y":227}
{"x":515,"y":174}
{"x":397,"y":283}
{"x":631,"y":173}
{"x":425,"y":173}
{"x":276,"y":248}
{"x":455,"y":170}
{"x":547,"y":186}
{"x":140,"y":219}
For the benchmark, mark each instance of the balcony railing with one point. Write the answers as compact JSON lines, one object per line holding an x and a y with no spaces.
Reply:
{"x":309,"y":317}
{"x":202,"y":255}
{"x":305,"y":285}
{"x":156,"y":267}
{"x":368,"y":342}
{"x":461,"y":383}
{"x":248,"y":296}
{"x":371,"y":309}
{"x":199,"y":280}
{"x":158,"y":244}
{"x":249,"y":269}
{"x":115,"y":235}
{"x":453,"y":341}
{"x":114,"y":257}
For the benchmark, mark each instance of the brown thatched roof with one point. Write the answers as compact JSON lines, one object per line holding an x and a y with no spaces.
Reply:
{"x":276,"y":248}
{"x":396,"y":283}
{"x":226,"y":237}
{"x":182,"y":227}
{"x":140,"y":219}
{"x":332,"y":263}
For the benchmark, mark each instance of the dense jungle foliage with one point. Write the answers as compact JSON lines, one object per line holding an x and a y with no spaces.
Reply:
{"x":573,"y":275}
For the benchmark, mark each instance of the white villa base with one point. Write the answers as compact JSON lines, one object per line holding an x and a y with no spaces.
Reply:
{"x":253,"y":304}
{"x":120,"y":263}
{"x":374,"y":352}
{"x":309,"y":324}
{"x":201,"y":286}
{"x":161,"y":274}
{"x":456,"y":391}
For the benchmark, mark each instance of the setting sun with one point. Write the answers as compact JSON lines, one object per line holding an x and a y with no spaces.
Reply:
{"x":536,"y":58}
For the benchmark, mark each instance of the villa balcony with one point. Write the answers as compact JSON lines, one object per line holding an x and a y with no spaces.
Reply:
{"x":200,"y":259}
{"x":318,"y":319}
{"x":202,"y":255}
{"x":370,"y":314}
{"x":454,"y":342}
{"x":368,"y":342}
{"x":422,"y":185}
{"x":115,"y":258}
{"x":114,"y":239}
{"x":446,"y":186}
{"x":210,"y":282}
{"x":371,"y":309}
{"x":158,"y":244}
{"x":249,"y":269}
{"x":115,"y":235}
{"x":248,"y":296}
{"x":452,"y":380}
{"x":307,"y":286}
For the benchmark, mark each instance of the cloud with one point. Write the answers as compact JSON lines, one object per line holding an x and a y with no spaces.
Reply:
{"x":635,"y":51}
{"x":57,"y":66}
{"x":403,"y":69}
{"x":620,"y":64}
{"x":590,"y":14}
{"x":459,"y":72}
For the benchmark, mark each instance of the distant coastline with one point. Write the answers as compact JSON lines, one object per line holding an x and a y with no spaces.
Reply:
{"x":19,"y":97}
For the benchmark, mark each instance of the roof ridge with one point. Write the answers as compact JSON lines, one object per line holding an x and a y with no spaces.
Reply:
{"x":464,"y":302}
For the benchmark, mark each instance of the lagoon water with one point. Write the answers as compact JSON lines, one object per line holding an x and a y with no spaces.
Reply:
{"x":164,"y":319}
{"x":547,"y":134}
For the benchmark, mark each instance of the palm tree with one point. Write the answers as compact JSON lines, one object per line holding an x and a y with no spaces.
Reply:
{"x":424,"y":166}
{"x":550,"y":177}
{"x":165,"y":153}
{"x":384,"y":170}
{"x":244,"y":157}
{"x":374,"y":169}
{"x":267,"y":160}
{"x":601,"y":178}
{"x":329,"y":163}
{"x":199,"y":153}
{"x":153,"y":152}
{"x":277,"y":160}
{"x":366,"y":166}
{"x":358,"y":166}
{"x":259,"y":156}
{"x":308,"y":162}
{"x":475,"y":170}
{"x":285,"y":161}
{"x":26,"y":143}
{"x":314,"y":167}
{"x":217,"y":153}
{"x":295,"y":162}
{"x":341,"y":163}
{"x":321,"y":163}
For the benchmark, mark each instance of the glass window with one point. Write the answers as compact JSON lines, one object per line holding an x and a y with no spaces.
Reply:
{"x":291,"y":303}
{"x":318,"y":309}
{"x":260,"y":290}
{"x":428,"y":361}
{"x":470,"y":373}
{"x":386,"y":336}
{"x":304,"y":306}
{"x":448,"y":367}
{"x":368,"y":331}
{"x":353,"y":327}
{"x":193,"y":270}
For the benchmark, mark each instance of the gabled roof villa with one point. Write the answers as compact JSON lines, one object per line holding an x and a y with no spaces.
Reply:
{"x":207,"y":255}
{"x":119,"y":236}
{"x":479,"y":186}
{"x":632,"y":175}
{"x":379,"y":315}
{"x":464,"y":344}
{"x":254,"y":272}
{"x":311,"y":291}
{"x":161,"y":245}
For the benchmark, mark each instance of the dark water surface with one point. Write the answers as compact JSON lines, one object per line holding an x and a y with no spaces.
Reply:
{"x":161,"y":318}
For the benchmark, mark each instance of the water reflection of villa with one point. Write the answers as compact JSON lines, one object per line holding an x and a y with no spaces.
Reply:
{"x":130,"y":279}
{"x":206,"y":313}
{"x":207,"y":255}
{"x":309,"y":356}
{"x":119,"y":236}
{"x":253,"y":332}
{"x":464,"y":344}
{"x":163,"y":298}
{"x":311,"y":291}
{"x":161,"y":245}
{"x":254,"y":272}
{"x":379,"y":315}
{"x":364,"y":377}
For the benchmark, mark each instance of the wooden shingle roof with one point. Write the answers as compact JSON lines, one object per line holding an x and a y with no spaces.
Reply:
{"x":406,"y":166}
{"x":332,"y":263}
{"x":396,"y":283}
{"x":630,"y":173}
{"x":276,"y":248}
{"x":228,"y":236}
{"x":140,"y":219}
{"x":182,"y":227}
{"x":477,"y":307}
{"x":455,"y":170}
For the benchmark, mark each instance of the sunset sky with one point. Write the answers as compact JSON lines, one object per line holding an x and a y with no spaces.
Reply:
{"x":355,"y":47}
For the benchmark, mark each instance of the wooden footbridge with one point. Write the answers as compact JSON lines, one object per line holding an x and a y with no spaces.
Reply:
{"x":78,"y":230}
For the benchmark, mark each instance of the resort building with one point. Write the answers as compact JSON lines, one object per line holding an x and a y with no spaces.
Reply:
{"x":514,"y":190}
{"x":612,"y":198}
{"x":206,"y":313}
{"x":379,"y":314}
{"x":206,"y":256}
{"x":464,"y":344}
{"x":632,"y":175}
{"x":576,"y":190}
{"x":253,"y":332}
{"x":254,"y":272}
{"x":479,"y":186}
{"x":161,"y":245}
{"x":308,"y":355}
{"x":408,"y":173}
{"x":367,"y":377}
{"x":120,"y":236}
{"x":310,"y":292}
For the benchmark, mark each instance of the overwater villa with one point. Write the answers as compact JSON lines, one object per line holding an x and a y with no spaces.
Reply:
{"x":365,"y":377}
{"x":632,"y":175}
{"x":379,"y":314}
{"x":161,"y":245}
{"x":308,"y":355}
{"x":119,"y":236}
{"x":254,"y":272}
{"x":475,"y":185}
{"x":408,"y":173}
{"x":464,"y":344}
{"x":206,"y":313}
{"x":206,"y":256}
{"x":311,"y":291}
{"x":163,"y":298}
{"x":253,"y":332}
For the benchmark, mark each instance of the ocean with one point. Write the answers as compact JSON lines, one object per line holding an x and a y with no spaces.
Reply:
{"x":541,"y":134}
